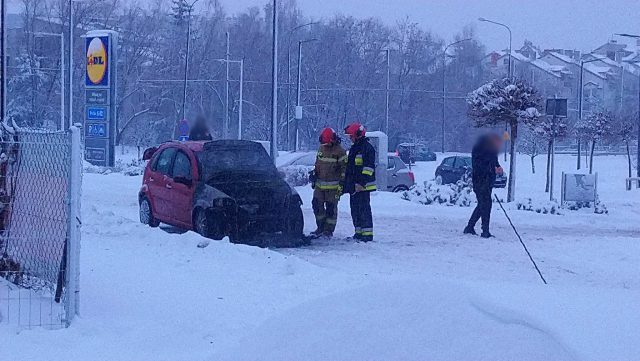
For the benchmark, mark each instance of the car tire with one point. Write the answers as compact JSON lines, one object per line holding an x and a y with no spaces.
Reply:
{"x":439,"y":180}
{"x":201,"y":223}
{"x":400,"y":188}
{"x":146,"y":213}
{"x":295,"y":222}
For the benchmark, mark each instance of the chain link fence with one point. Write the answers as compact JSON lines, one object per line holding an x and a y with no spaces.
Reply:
{"x":40,"y":187}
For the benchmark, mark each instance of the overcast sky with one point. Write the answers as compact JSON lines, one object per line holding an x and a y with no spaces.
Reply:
{"x":571,"y":24}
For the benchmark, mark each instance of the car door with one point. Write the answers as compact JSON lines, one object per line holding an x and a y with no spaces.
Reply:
{"x":157,"y":184}
{"x":447,"y":170}
{"x":462,"y":165}
{"x":181,"y":187}
{"x":392,"y":177}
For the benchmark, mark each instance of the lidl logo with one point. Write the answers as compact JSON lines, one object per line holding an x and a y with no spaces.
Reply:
{"x":97,"y":61}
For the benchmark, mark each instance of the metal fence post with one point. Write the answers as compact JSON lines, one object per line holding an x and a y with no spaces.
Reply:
{"x":73,"y":249}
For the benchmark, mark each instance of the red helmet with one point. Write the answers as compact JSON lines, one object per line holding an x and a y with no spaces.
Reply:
{"x":355,"y":130}
{"x":328,"y":135}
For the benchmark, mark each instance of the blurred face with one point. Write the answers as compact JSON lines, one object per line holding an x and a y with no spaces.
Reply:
{"x":496,"y":141}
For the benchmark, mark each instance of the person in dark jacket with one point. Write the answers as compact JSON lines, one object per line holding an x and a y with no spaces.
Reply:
{"x":200,"y":130}
{"x":485,"y":166}
{"x":360,"y":181}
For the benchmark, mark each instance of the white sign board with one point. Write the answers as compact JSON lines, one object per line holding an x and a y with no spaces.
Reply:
{"x":579,"y":187}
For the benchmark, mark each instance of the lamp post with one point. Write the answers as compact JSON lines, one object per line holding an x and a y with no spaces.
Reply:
{"x":298,"y":91}
{"x":510,"y":39}
{"x":509,"y":69}
{"x":186,"y":69}
{"x":288,"y":106}
{"x":274,"y":83}
{"x":580,"y":99}
{"x":240,"y":91}
{"x":3,"y":57}
{"x":62,"y":77}
{"x":444,"y":89}
{"x":638,"y":119}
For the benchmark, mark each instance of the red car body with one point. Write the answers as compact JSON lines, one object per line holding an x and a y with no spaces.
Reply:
{"x":218,"y":188}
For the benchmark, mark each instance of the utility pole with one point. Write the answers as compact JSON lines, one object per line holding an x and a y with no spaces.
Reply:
{"x":225,"y":126}
{"x":186,"y":70}
{"x":386,"y":113}
{"x":296,"y":138}
{"x":3,"y":58}
{"x":287,"y":105}
{"x":444,"y":90}
{"x":274,"y":83}
{"x":241,"y":99}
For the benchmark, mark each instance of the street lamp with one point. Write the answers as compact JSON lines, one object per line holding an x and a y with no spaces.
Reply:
{"x":3,"y":58}
{"x":444,"y":93}
{"x":290,"y":37}
{"x":62,"y":78}
{"x":186,"y":68}
{"x":298,"y":90}
{"x":580,"y":92}
{"x":510,"y":38}
{"x":274,"y":82}
{"x":509,"y":72}
{"x":638,"y":119}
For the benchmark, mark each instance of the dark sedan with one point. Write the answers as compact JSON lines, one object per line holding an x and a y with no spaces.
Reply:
{"x":453,"y":168}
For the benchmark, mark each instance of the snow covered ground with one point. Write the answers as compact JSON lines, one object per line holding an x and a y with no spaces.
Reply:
{"x":422,"y":291}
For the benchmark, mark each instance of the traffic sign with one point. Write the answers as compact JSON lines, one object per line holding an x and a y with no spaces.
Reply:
{"x":183,"y":128}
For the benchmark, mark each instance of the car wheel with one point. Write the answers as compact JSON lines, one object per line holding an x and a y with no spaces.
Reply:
{"x":400,"y":188}
{"x":439,"y":180}
{"x":295,"y":222}
{"x":146,"y":214}
{"x":201,"y":223}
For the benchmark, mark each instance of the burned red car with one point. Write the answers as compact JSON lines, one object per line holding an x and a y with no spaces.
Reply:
{"x":217,"y":189}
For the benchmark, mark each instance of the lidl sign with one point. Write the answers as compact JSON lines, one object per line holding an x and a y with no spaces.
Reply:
{"x":97,"y":61}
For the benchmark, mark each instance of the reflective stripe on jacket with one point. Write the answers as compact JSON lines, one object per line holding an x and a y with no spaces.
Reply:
{"x":361,"y":166}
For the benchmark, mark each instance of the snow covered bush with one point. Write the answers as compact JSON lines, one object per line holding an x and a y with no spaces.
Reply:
{"x":296,"y":175}
{"x":458,"y":194}
{"x":595,"y":128}
{"x":598,"y":206}
{"x":544,"y":207}
{"x":132,"y":168}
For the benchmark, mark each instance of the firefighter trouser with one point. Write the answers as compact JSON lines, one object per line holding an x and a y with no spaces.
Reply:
{"x":483,"y":209}
{"x":361,"y":215}
{"x":325,"y":208}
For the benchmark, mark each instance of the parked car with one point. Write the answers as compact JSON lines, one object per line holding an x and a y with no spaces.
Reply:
{"x":218,"y":188}
{"x":399,"y":177}
{"x":295,"y":169}
{"x":415,"y":152}
{"x":452,"y":169}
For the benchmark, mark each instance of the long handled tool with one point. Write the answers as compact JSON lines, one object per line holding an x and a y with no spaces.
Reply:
{"x":520,"y":238}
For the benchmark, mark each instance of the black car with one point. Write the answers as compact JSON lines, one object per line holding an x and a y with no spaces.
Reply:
{"x":452,"y":169}
{"x":413,"y":152}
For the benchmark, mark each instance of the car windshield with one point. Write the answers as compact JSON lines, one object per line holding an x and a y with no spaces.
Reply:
{"x":214,"y":161}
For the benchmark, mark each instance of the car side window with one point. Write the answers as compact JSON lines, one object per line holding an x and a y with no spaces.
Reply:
{"x":448,"y":162}
{"x":391,"y":163}
{"x":163,"y":164}
{"x":463,"y":162}
{"x":181,"y":166}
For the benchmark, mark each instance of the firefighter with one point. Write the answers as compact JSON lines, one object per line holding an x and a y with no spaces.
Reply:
{"x":327,"y":177}
{"x":360,"y":181}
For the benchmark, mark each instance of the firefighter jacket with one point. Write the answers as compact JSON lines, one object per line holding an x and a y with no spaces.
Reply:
{"x":361,"y":167}
{"x":330,"y":166}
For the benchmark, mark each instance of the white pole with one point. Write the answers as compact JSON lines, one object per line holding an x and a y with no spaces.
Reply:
{"x":241,"y":99}
{"x":73,"y":246}
{"x":71,"y":26}
{"x":274,"y":84}
{"x":62,"y":80}
{"x":225,"y":127}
